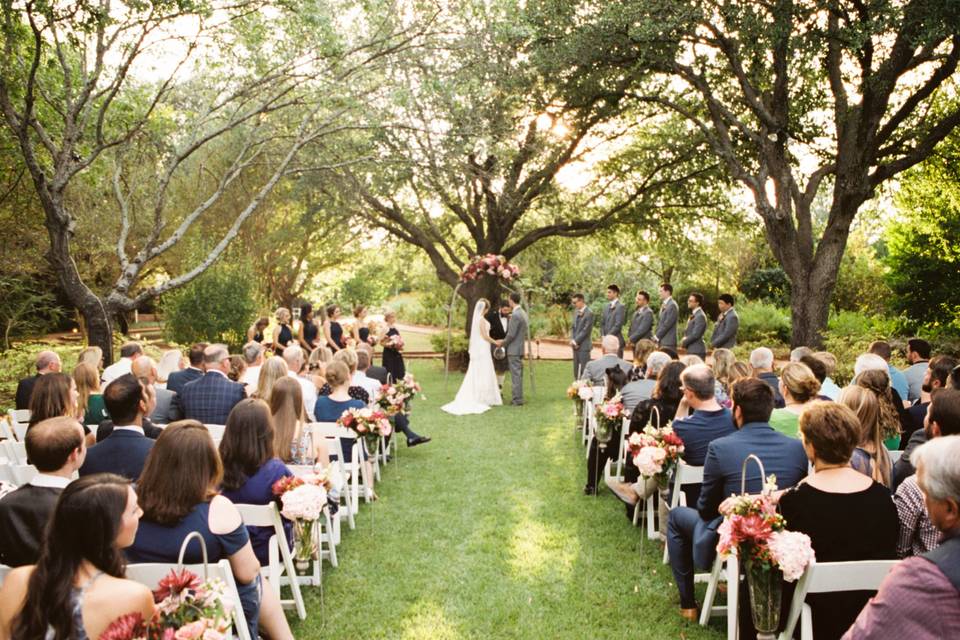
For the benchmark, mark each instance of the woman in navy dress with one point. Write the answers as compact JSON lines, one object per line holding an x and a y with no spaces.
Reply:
{"x":309,"y":331}
{"x":250,"y":467}
{"x":282,"y":333}
{"x":335,"y":330}
{"x":178,"y":495}
{"x":361,"y":332}
{"x":392,"y":356}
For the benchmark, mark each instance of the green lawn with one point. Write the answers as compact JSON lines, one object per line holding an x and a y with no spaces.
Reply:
{"x":485,"y":533}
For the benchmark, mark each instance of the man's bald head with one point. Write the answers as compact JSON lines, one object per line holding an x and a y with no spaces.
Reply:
{"x":145,"y":368}
{"x":51,"y":443}
{"x":48,"y":362}
{"x":610,"y":344}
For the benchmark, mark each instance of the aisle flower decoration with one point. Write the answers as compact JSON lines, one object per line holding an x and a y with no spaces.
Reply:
{"x":490,"y":265}
{"x":302,"y":499}
{"x":579,"y":390}
{"x":408,"y":387}
{"x":187,"y":609}
{"x":656,"y":452}
{"x":390,"y":401}
{"x":369,"y":424}
{"x":610,"y":414}
{"x":770,"y":553}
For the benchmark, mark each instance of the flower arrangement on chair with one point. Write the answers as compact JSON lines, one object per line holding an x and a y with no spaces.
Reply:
{"x":302,"y":499}
{"x":407,"y":388}
{"x":579,"y":391}
{"x":610,"y":414}
{"x":490,"y":265}
{"x":187,"y":609}
{"x":656,"y":452}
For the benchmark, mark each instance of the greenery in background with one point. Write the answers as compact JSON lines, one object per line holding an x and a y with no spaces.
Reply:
{"x":216,"y":307}
{"x":25,"y":309}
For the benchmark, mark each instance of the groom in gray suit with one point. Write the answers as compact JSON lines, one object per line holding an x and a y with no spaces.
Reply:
{"x":725,"y":331}
{"x":696,"y":326}
{"x":613,"y":317}
{"x":667,"y":323}
{"x":641,"y":326}
{"x":581,"y":339}
{"x":514,"y":344}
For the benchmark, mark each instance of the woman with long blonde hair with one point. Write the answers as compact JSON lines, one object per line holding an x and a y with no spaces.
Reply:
{"x":870,"y":457}
{"x":273,"y":369}
{"x":93,"y":355}
{"x":292,"y":441}
{"x":878,"y":381}
{"x":89,"y":398}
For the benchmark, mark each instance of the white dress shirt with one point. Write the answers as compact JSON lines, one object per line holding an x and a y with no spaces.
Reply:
{"x":309,"y":392}
{"x":251,"y":376}
{"x":50,"y":481}
{"x":130,"y":427}
{"x":371,"y":386}
{"x":121,"y":367}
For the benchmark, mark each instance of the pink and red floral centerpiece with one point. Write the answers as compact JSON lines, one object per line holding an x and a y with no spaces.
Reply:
{"x":656,"y":452}
{"x":302,"y":499}
{"x":610,"y":414}
{"x":489,"y":265}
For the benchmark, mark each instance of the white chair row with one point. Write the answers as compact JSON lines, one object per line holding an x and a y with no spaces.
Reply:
{"x":15,"y":426}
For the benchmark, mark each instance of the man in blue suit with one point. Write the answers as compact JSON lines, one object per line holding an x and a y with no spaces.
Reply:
{"x":177,"y":380}
{"x":125,"y":450}
{"x":692,"y":533}
{"x":211,"y":398}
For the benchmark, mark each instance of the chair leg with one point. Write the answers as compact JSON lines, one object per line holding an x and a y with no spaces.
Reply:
{"x":711,"y":594}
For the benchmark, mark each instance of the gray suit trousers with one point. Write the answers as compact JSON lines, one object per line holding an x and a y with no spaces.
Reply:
{"x":580,"y":361}
{"x":516,"y":378}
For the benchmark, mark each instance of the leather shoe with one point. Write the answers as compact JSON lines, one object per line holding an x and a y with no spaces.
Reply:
{"x":589,"y":490}
{"x":689,"y":614}
{"x":418,"y":440}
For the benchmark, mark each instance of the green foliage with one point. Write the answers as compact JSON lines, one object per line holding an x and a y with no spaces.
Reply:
{"x":459,"y":343}
{"x":216,"y":307}
{"x":25,"y":309}
{"x":19,"y":361}
{"x":763,"y":322}
{"x":769,"y":284}
{"x":861,"y":284}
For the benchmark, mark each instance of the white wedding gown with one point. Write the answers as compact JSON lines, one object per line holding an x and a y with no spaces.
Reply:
{"x":479,"y":390}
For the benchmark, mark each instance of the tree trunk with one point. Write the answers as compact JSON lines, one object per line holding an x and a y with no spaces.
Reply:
{"x":486,"y":288}
{"x":810,"y":310}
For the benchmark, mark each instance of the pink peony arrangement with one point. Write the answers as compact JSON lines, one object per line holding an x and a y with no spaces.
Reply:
{"x":757,"y":532}
{"x":366,"y":422}
{"x":580,"y":390}
{"x":301,"y":498}
{"x":489,"y":265}
{"x":655,"y":451}
{"x":187,"y":609}
{"x":610,"y":414}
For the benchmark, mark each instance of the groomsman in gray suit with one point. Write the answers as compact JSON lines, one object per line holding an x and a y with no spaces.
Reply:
{"x":666,"y":335}
{"x":581,"y":339}
{"x":614,"y":315}
{"x":514,"y":343}
{"x":696,"y":327}
{"x":725,"y":331}
{"x":641,"y":325}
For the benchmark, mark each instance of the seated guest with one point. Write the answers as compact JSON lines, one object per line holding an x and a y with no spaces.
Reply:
{"x":47,"y":362}
{"x":935,"y":377}
{"x":917,"y":533}
{"x":293,"y":356}
{"x":798,"y":354}
{"x":170,"y":362}
{"x":633,"y":393}
{"x":847,"y":515}
{"x":642,"y":351}
{"x":798,"y":388}
{"x":92,"y":355}
{"x":401,"y":420}
{"x":77,"y":588}
{"x":349,"y":358}
{"x":330,"y":407}
{"x":238,"y":369}
{"x":129,"y":352}
{"x":599,"y":453}
{"x":55,"y":396}
{"x":918,"y":598}
{"x":828,"y":387}
{"x":870,"y":456}
{"x":250,"y":467}
{"x":166,"y":410}
{"x":89,"y":398}
{"x":723,"y":362}
{"x":657,"y":411}
{"x":918,"y":355}
{"x":761,"y":361}
{"x":178,"y":495}
{"x":292,"y":441}
{"x":692,"y":532}
{"x":211,"y":398}
{"x":125,"y":450}
{"x":57,"y":449}
{"x":596,"y":370}
{"x":819,"y":372}
{"x":150,"y":430}
{"x":892,"y":413}
{"x":253,"y":356}
{"x":897,"y":380}
{"x":177,"y":380}
{"x":273,"y":369}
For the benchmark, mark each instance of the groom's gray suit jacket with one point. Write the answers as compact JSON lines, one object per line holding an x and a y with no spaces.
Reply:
{"x":516,"y":333}
{"x":641,"y":326}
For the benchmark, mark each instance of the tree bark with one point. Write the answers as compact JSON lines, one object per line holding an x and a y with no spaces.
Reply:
{"x":486,"y":288}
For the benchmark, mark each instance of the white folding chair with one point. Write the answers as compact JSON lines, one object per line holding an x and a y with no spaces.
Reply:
{"x":151,"y":574}
{"x":621,"y":454}
{"x":15,"y":452}
{"x":6,"y":473}
{"x":22,"y":473}
{"x":685,"y":474}
{"x":6,"y":431}
{"x":831,"y":577}
{"x":4,"y":570}
{"x":331,"y":524}
{"x":280,"y":560}
{"x":216,"y":431}
{"x":19,"y":420}
{"x":732,"y":577}
{"x":354,"y":467}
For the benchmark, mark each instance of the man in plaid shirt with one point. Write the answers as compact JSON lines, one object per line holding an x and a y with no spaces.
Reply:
{"x":917,"y":533}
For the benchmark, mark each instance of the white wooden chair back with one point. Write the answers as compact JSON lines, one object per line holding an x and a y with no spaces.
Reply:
{"x":831,"y":577}
{"x":280,"y":559}
{"x":621,"y":452}
{"x":22,"y":473}
{"x":216,"y":431}
{"x":684,"y":474}
{"x":150,"y":575}
{"x":6,"y":430}
{"x":723,"y":570}
{"x":19,"y":419}
{"x":4,"y":570}
{"x":15,"y":452}
{"x":349,"y":469}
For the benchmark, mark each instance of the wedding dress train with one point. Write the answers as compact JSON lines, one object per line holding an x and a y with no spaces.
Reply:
{"x":479,"y":390}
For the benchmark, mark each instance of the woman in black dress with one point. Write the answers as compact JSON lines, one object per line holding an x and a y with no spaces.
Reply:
{"x":392,"y":356}
{"x":309,"y":331}
{"x":255,"y":332}
{"x":334,"y":332}
{"x":848,"y":515}
{"x":361,"y":333}
{"x":282,"y":333}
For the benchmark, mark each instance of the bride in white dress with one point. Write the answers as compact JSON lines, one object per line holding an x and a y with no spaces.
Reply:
{"x":479,"y":390}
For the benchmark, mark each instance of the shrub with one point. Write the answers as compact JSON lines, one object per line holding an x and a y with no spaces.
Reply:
{"x":459,"y":344}
{"x":769,"y":284}
{"x":216,"y":307}
{"x":764,"y":323}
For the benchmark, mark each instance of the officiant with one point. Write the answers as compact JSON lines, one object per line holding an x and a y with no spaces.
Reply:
{"x":498,"y":318}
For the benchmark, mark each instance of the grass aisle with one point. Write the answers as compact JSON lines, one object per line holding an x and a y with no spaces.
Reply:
{"x":485,"y":533}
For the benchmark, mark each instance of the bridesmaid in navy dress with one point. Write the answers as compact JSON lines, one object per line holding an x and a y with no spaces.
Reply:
{"x":361,"y":333}
{"x":392,"y":357}
{"x":309,"y":330}
{"x":282,"y":333}
{"x":335,"y":337}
